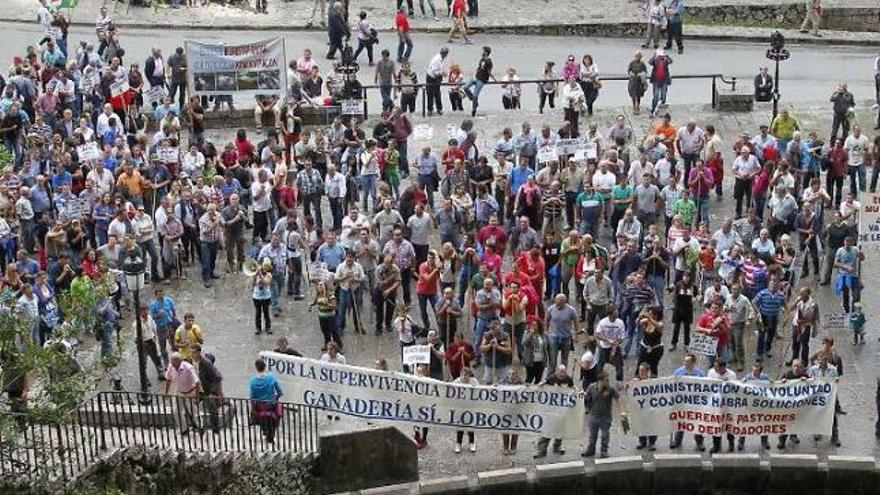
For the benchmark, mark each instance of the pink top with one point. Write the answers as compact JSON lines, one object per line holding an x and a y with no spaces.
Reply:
{"x":185,"y":377}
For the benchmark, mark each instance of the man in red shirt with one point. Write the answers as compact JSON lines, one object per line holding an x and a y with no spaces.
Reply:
{"x":716,"y":323}
{"x":492,"y":234}
{"x":459,"y":355}
{"x":450,"y":155}
{"x":404,"y":44}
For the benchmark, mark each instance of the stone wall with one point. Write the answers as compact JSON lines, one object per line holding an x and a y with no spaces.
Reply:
{"x":139,"y":471}
{"x":723,"y":474}
{"x":786,"y":15}
{"x":364,"y":459}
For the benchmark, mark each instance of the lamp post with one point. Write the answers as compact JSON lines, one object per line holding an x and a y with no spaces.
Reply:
{"x":134,"y":267}
{"x":777,"y":53}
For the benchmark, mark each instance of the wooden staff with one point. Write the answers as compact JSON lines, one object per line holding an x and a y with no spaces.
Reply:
{"x":446,"y":372}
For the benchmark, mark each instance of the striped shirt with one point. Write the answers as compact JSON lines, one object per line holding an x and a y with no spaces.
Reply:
{"x":639,"y":295}
{"x":754,"y":273}
{"x":770,"y":303}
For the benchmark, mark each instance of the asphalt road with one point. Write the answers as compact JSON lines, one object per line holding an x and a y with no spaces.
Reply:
{"x":809,"y":76}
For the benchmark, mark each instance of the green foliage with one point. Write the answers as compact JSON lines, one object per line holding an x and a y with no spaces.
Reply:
{"x":55,"y":389}
{"x":6,"y":158}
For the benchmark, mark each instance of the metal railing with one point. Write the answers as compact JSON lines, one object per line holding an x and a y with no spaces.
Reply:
{"x":715,"y":78}
{"x":61,"y":450}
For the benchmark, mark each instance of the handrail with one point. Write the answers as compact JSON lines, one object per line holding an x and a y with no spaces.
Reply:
{"x":714,"y":77}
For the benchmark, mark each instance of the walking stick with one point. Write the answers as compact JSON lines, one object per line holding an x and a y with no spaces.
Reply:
{"x":446,"y":372}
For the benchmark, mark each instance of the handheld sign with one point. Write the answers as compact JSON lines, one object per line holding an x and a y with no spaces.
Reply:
{"x":703,"y":345}
{"x":119,"y":87}
{"x":423,"y":132}
{"x":416,"y":354}
{"x":352,"y":107}
{"x":88,"y":151}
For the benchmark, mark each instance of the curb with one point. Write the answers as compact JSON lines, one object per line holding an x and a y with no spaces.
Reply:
{"x":615,"y":30}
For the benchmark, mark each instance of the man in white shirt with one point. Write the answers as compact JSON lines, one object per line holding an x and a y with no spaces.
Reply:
{"x":725,"y":237}
{"x":261,"y":194}
{"x":193,"y":162}
{"x":433,"y":77}
{"x":104,"y":120}
{"x":101,"y":177}
{"x":144,"y":235}
{"x":689,"y":142}
{"x":349,"y":278}
{"x":857,"y":146}
{"x":610,"y":332}
{"x":334,"y":187}
{"x":719,"y":371}
{"x":745,"y":168}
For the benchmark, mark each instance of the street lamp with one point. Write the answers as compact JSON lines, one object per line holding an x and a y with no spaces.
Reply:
{"x":777,"y":53}
{"x":134,"y":267}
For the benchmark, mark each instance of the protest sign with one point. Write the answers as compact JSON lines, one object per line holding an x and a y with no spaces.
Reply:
{"x":88,"y":151}
{"x":869,"y":221}
{"x":547,"y":155}
{"x":703,"y":345}
{"x":168,"y":155}
{"x":247,"y":70}
{"x":423,"y":132}
{"x":156,"y":95}
{"x":119,"y":87}
{"x":705,"y":406}
{"x":834,"y":321}
{"x":396,"y":398}
{"x":77,"y":208}
{"x":568,"y":146}
{"x":352,"y":107}
{"x":416,"y":354}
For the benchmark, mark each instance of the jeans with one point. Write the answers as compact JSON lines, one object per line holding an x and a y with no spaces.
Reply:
{"x":336,"y":212}
{"x":703,"y":210}
{"x":424,"y":300}
{"x":659,"y":95}
{"x":737,"y":344}
{"x":404,"y":46}
{"x":430,"y":4}
{"x":149,"y":246}
{"x":839,"y":121}
{"x":209,"y":260}
{"x":311,"y":203}
{"x":674,"y":32}
{"x":384,"y":310}
{"x":368,"y":184}
{"x":767,"y":334}
{"x":294,"y":278}
{"x":658,"y":283}
{"x":556,"y":345}
{"x":387,"y":100}
{"x":276,"y":286}
{"x":349,"y":298}
{"x":606,"y":356}
{"x":13,"y":145}
{"x":633,"y":331}
{"x":482,"y":325}
{"x":596,"y":426}
{"x":856,"y":172}
{"x":474,"y":86}
{"x":364,"y":45}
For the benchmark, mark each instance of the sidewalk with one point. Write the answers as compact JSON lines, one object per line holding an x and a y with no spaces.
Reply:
{"x":608,"y":18}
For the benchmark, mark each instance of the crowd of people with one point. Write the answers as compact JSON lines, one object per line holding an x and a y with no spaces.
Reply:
{"x":536,"y":263}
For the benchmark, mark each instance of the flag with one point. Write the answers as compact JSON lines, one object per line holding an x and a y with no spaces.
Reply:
{"x":63,"y":4}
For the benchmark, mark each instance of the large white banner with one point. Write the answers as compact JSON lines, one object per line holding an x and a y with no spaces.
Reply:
{"x":258,"y":68}
{"x":383,"y":396}
{"x":712,"y":407}
{"x":869,"y":221}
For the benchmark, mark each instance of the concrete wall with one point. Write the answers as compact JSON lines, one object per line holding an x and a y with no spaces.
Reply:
{"x":364,"y":459}
{"x":738,"y":474}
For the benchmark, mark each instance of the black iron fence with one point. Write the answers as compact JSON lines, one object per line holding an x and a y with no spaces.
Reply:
{"x":715,"y":79}
{"x":37,"y":450}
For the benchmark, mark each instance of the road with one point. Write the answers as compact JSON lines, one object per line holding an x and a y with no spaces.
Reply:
{"x":801,"y":81}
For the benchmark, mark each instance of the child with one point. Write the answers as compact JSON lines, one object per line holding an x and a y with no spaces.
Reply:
{"x":707,"y":264}
{"x":686,"y":208}
{"x":857,"y":324}
{"x":650,"y":238}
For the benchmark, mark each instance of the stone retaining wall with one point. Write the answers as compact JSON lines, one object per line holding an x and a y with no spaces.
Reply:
{"x":140,"y":471}
{"x":786,"y":15}
{"x":723,"y":474}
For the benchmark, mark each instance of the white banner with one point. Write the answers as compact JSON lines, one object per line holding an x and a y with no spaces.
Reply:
{"x":869,"y":221}
{"x":168,"y":155}
{"x":423,"y":132}
{"x":704,"y":406}
{"x":258,"y":68}
{"x":391,"y":397}
{"x":547,"y":155}
{"x":703,"y":345}
{"x":417,"y":354}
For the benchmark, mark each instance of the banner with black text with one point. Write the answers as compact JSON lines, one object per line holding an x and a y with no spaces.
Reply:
{"x":706,"y":406}
{"x":383,"y":396}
